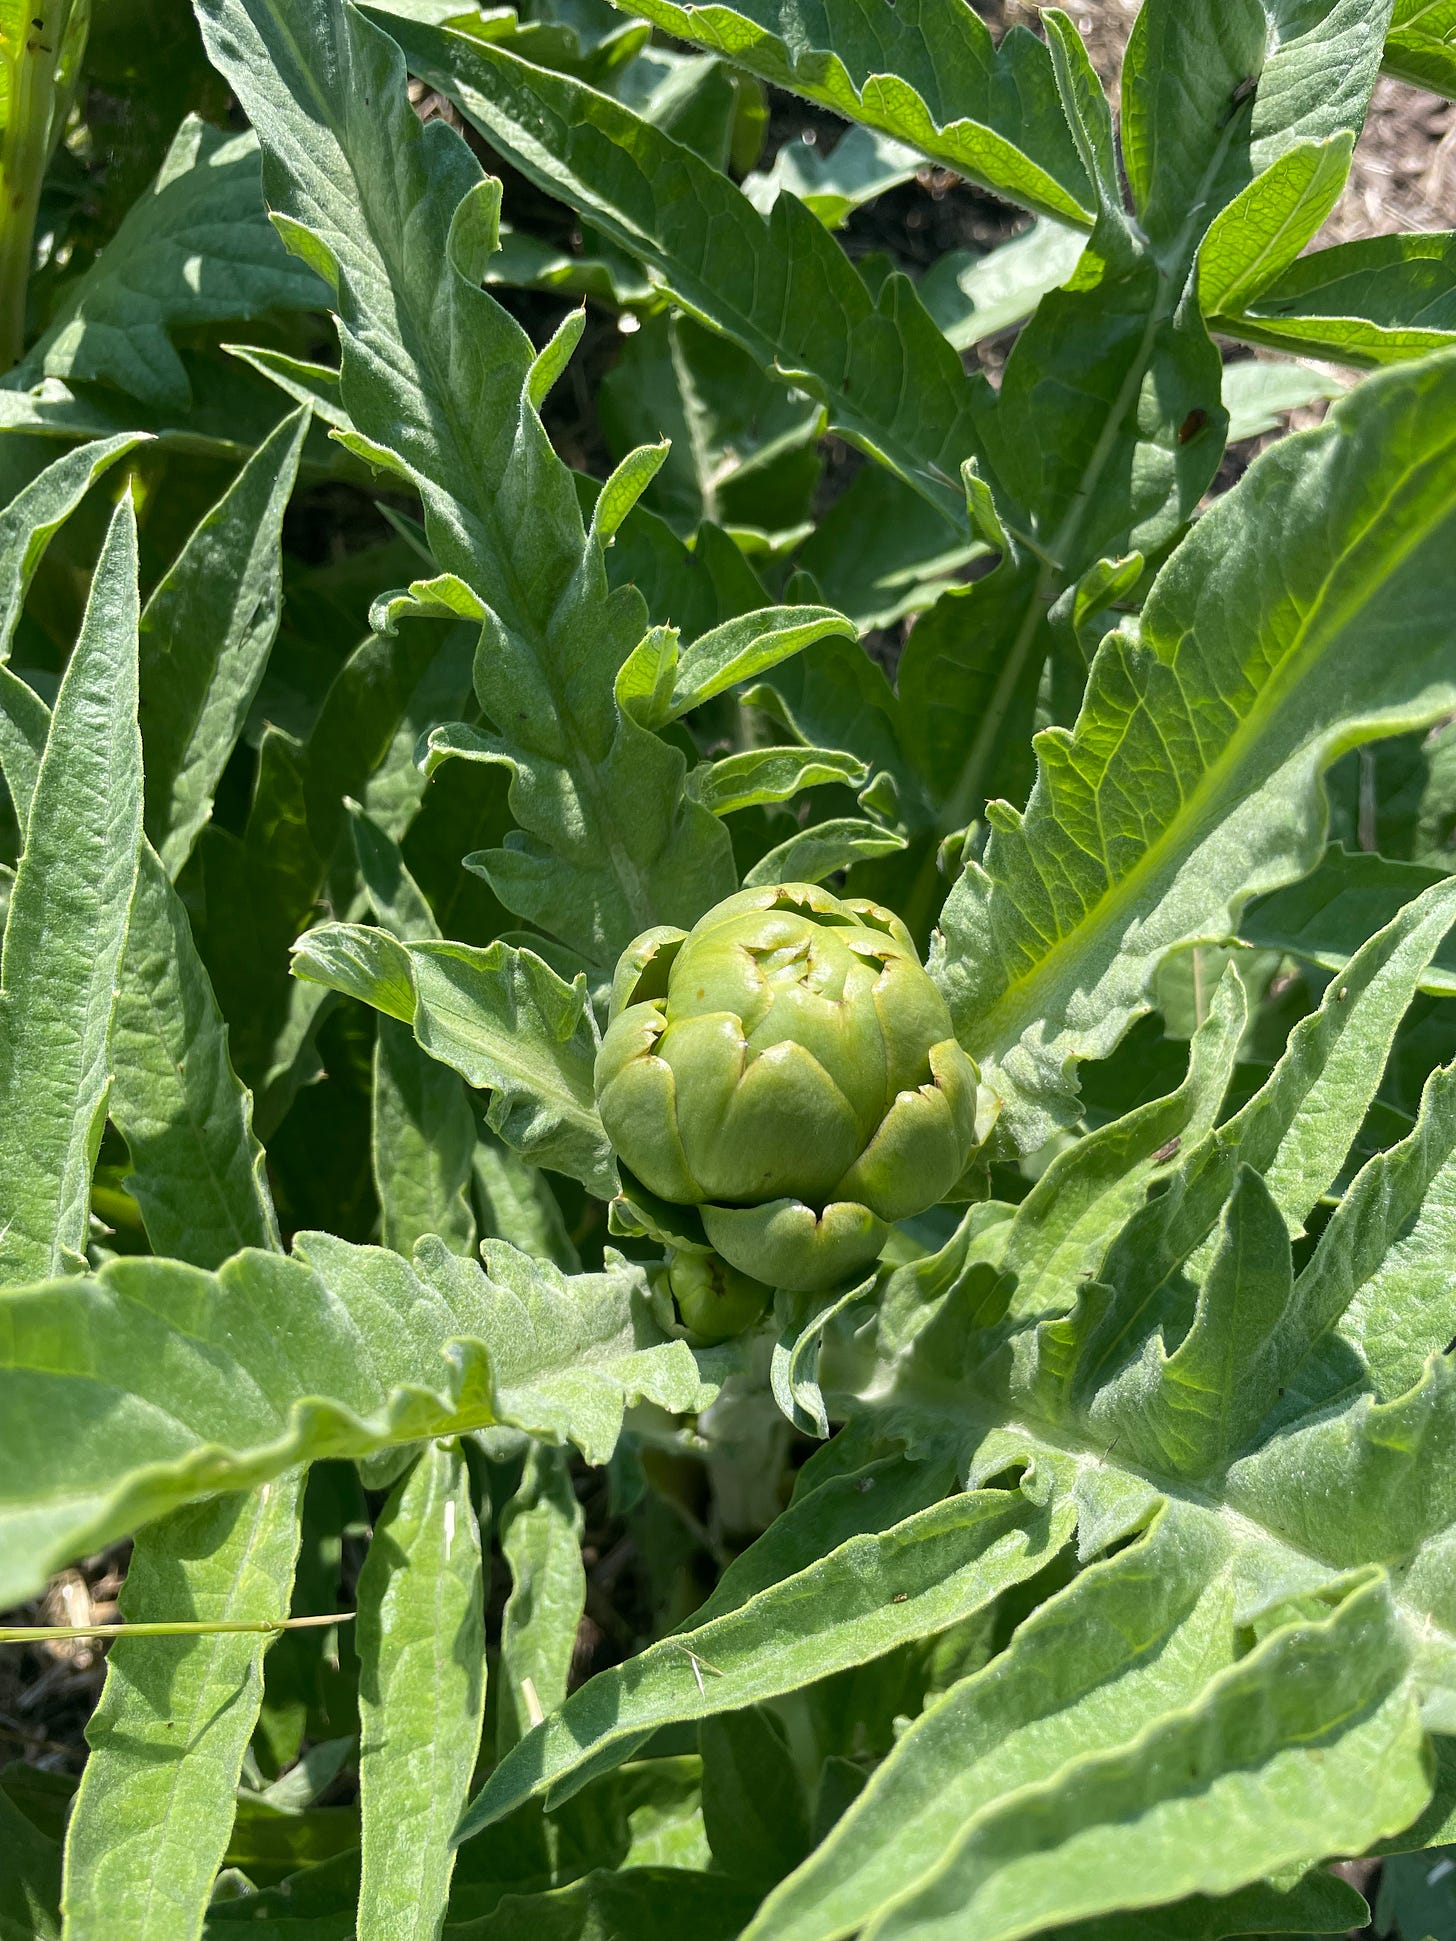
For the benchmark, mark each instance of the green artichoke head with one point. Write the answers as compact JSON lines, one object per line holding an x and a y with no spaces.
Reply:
{"x":789,"y":1069}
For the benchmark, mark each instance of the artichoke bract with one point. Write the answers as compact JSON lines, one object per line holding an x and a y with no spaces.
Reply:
{"x":714,"y":1299}
{"x":788,"y":1069}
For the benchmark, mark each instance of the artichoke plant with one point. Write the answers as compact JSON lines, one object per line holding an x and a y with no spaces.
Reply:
{"x":788,"y":1070}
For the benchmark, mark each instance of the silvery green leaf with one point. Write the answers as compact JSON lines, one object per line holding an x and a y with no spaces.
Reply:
{"x":197,"y":248}
{"x":152,"y":1819}
{"x":66,"y":931}
{"x":782,"y":288}
{"x":164,"y":1384}
{"x":421,"y":1644}
{"x":440,"y":384}
{"x":500,"y":1016}
{"x":930,"y":78}
{"x":1046,"y":962}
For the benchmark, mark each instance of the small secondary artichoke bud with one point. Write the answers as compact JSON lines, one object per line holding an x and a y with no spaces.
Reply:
{"x":714,"y":1299}
{"x":789,"y":1069}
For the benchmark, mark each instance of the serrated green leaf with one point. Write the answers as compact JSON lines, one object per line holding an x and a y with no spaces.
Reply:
{"x":1319,"y":1556}
{"x":1326,"y":916}
{"x":783,"y":289}
{"x":205,"y":637}
{"x":1125,"y":353}
{"x":141,"y":1848}
{"x":769,"y":775}
{"x":661,"y":682}
{"x":1379,"y":1269}
{"x":500,"y":1016}
{"x":1377,"y":300}
{"x":197,"y":1169}
{"x":1126,"y":350}
{"x":37,"y":512}
{"x":1421,"y":44}
{"x":1199,"y":1405}
{"x":1030,"y":940}
{"x":929,"y":76}
{"x":1213,"y":95}
{"x":1259,"y":234}
{"x":1062,"y":1228}
{"x":66,"y":931}
{"x":421,"y":1643}
{"x":834,"y":696}
{"x":868,"y":1595}
{"x":1030,"y":1795}
{"x":1088,"y":111}
{"x":605,"y":843}
{"x":541,"y":1541}
{"x":155,"y":1808}
{"x":152,"y":1383}
{"x":1295,"y":1133}
{"x":196,"y":249}
{"x":823,"y":849}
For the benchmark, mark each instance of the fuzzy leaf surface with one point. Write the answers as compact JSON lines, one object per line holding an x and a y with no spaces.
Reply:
{"x":1190,"y":780}
{"x":153,"y":1383}
{"x":441,"y":385}
{"x":781,"y":287}
{"x":66,"y":931}
{"x":155,"y":1809}
{"x":930,"y":76}
{"x":421,"y":1692}
{"x":500,"y":1016}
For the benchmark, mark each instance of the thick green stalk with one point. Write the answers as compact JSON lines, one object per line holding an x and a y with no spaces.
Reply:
{"x":41,"y":68}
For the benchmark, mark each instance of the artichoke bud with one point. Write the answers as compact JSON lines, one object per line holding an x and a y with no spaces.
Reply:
{"x":714,"y":1299}
{"x":789,"y":1069}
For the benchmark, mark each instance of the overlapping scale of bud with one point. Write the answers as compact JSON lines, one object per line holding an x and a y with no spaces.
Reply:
{"x":788,"y":1069}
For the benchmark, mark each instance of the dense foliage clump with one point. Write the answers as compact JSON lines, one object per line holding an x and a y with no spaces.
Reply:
{"x":727,"y":1078}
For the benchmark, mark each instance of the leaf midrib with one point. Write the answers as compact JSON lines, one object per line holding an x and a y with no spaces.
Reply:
{"x":584,"y":770}
{"x":870,"y":435}
{"x":467,"y":1026}
{"x":973,"y":1414}
{"x":1020,"y":994}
